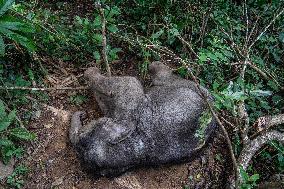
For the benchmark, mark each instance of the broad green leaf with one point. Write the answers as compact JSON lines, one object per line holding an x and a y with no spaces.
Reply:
{"x":215,"y":85}
{"x":2,"y":46}
{"x":16,"y":26}
{"x":5,"y":6}
{"x":5,"y":122}
{"x":22,"y":133}
{"x":6,"y":142}
{"x":7,"y":152}
{"x":18,"y":38}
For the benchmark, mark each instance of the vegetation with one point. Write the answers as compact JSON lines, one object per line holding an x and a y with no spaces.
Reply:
{"x":233,"y":48}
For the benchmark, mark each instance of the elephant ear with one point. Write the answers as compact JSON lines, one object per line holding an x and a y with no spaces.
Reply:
{"x":117,"y":132}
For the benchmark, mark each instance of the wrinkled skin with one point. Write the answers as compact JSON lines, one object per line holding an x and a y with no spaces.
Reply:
{"x":139,"y":128}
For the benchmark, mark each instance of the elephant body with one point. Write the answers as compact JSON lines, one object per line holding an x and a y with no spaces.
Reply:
{"x":140,"y":128}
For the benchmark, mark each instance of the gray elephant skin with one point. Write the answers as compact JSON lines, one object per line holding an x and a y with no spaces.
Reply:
{"x":139,"y":129}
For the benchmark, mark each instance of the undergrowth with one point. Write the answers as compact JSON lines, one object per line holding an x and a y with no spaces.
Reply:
{"x":232,"y":47}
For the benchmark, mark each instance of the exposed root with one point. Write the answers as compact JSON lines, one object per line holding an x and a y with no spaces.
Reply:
{"x":254,"y":145}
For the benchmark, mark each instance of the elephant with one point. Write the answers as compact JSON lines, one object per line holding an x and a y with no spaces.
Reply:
{"x":141,"y":127}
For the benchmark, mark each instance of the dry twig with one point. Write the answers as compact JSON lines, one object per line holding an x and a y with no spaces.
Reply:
{"x":266,"y":28}
{"x":104,"y":41}
{"x":42,"y":89}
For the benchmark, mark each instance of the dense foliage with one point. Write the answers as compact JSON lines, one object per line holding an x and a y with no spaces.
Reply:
{"x":234,"y":48}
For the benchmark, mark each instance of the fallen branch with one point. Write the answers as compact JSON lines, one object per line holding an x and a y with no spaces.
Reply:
{"x":244,"y":118}
{"x":43,"y":89}
{"x":262,"y":124}
{"x":254,"y":145}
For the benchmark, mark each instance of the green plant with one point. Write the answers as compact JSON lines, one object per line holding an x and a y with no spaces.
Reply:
{"x":16,"y":179}
{"x":204,"y":120}
{"x":14,"y":29}
{"x":248,"y":182}
{"x":78,"y":99}
{"x":235,"y":49}
{"x":9,"y":135}
{"x":76,"y":38}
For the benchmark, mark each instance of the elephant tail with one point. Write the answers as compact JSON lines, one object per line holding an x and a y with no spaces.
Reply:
{"x":76,"y":125}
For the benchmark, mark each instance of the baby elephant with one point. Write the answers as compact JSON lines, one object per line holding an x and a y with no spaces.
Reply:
{"x":139,"y":128}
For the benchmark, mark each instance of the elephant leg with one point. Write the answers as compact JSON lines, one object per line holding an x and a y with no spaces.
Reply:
{"x":160,"y":73}
{"x":76,"y":125}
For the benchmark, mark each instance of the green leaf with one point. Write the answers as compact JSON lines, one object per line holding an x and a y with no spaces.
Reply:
{"x":7,"y":152}
{"x":16,"y":26}
{"x":96,"y":55}
{"x":98,"y":38}
{"x":78,"y":20}
{"x":204,"y":120}
{"x":114,"y":11}
{"x":5,"y":142}
{"x":112,"y":28}
{"x":254,"y":177}
{"x":5,"y":6}
{"x":203,"y":57}
{"x":2,"y":46}
{"x":281,"y":37}
{"x":5,"y":122}
{"x":157,"y":34}
{"x":22,"y":133}
{"x":244,"y":175}
{"x":97,"y":21}
{"x":174,"y":32}
{"x":215,"y":85}
{"x":86,"y":21}
{"x":2,"y":110}
{"x":18,"y":38}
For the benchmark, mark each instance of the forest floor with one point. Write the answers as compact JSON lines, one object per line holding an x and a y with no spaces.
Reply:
{"x":54,"y":164}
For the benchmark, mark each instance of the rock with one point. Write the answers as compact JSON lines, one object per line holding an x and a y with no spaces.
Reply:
{"x":57,"y":182}
{"x":129,"y":182}
{"x":6,"y":170}
{"x":140,"y":128}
